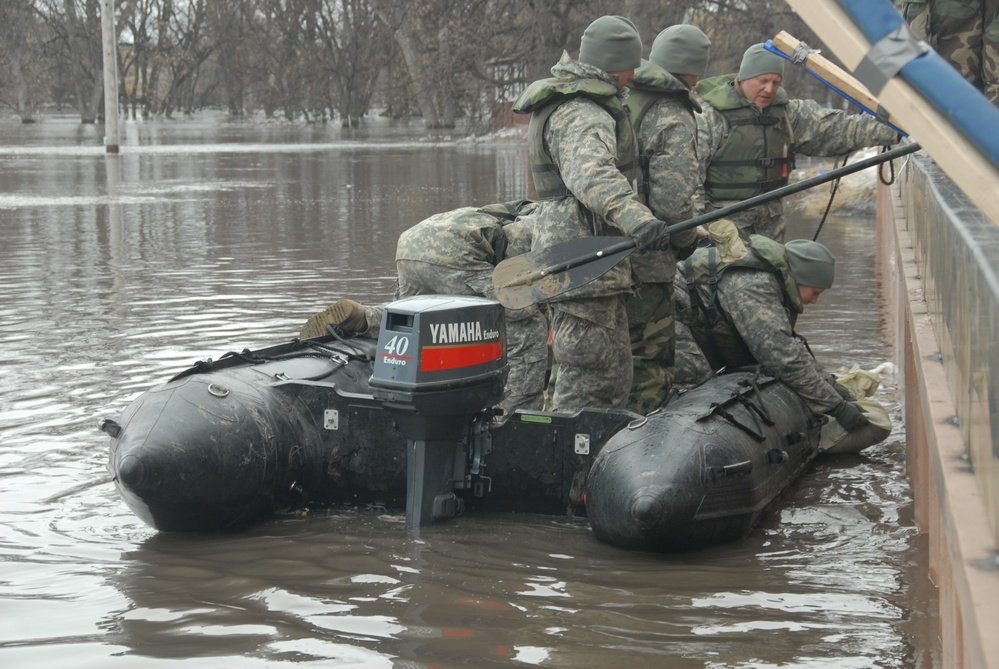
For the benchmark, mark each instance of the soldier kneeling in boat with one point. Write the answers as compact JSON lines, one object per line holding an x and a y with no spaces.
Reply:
{"x":454,"y":253}
{"x":741,"y":310}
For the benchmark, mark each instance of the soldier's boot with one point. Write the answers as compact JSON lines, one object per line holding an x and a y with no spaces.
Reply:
{"x":345,"y":314}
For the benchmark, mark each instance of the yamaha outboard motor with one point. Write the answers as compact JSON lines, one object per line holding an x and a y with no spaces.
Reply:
{"x":440,"y":361}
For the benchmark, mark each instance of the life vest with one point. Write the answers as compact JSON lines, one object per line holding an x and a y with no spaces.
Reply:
{"x":757,"y":153}
{"x":542,"y":98}
{"x":652,"y":84}
{"x":714,"y":333}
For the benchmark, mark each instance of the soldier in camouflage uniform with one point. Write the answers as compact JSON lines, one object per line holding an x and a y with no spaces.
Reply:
{"x":454,"y":253}
{"x":662,"y":112}
{"x":964,"y":32}
{"x":751,"y":130}
{"x":742,"y":313}
{"x":583,"y":159}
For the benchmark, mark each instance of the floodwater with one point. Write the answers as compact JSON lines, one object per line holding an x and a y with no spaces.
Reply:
{"x":204,"y":237}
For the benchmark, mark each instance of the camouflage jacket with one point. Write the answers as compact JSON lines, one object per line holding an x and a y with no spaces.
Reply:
{"x":469,"y":238}
{"x":581,"y":139}
{"x":662,"y":110}
{"x":808,"y":128}
{"x":757,"y":315}
{"x":964,"y":32}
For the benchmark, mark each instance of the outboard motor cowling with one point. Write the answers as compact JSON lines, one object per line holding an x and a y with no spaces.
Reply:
{"x":440,"y":361}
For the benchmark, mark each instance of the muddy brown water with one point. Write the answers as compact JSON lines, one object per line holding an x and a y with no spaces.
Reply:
{"x":204,"y":237}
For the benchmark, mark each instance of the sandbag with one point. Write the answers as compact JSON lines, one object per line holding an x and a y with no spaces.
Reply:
{"x":862,"y":384}
{"x":835,"y":439}
{"x":724,"y":236}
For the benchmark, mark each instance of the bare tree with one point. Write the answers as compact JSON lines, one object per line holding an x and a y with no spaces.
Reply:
{"x":22,"y":58}
{"x":354,"y":47}
{"x":322,"y":58}
{"x":183,"y":49}
{"x":76,"y":43}
{"x":230,"y":28}
{"x":410,"y":23}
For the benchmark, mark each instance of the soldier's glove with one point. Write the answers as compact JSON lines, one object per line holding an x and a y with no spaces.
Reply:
{"x":651,"y":236}
{"x":842,"y":390}
{"x":849,"y":416}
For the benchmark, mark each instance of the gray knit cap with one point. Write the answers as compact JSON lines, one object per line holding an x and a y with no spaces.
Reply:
{"x":682,"y":49}
{"x":811,"y":263}
{"x":611,"y":43}
{"x":757,"y":60}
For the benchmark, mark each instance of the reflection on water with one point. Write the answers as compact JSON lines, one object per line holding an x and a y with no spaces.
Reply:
{"x":119,"y":272}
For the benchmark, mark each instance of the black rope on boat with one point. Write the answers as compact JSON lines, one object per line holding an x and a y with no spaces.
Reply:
{"x":758,"y":436}
{"x":761,"y":408}
{"x":205,"y":365}
{"x":246,"y":355}
{"x":755,"y":411}
{"x":353,"y":352}
{"x":670,"y":396}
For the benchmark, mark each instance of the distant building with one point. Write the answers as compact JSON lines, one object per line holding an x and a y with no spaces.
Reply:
{"x":509,"y":77}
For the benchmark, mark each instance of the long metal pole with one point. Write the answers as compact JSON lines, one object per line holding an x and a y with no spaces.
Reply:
{"x":110,"y":77}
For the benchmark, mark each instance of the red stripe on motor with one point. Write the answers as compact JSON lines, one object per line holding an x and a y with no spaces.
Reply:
{"x":439,"y":358}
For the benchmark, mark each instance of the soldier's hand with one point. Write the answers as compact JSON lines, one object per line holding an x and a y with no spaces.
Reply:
{"x":849,"y":416}
{"x":842,"y":391}
{"x":651,"y":236}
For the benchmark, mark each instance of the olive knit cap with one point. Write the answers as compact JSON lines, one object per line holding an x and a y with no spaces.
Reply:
{"x":811,"y":263}
{"x":611,"y":43}
{"x":757,"y":60}
{"x":682,"y":49}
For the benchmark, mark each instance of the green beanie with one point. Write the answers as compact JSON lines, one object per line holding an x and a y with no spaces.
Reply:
{"x":811,"y":263}
{"x":757,"y":60}
{"x":611,"y":43}
{"x":682,"y":49}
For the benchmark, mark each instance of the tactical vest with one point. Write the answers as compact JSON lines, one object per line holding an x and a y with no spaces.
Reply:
{"x":541,"y":99}
{"x":640,"y":100}
{"x":714,"y":333}
{"x":757,"y":154}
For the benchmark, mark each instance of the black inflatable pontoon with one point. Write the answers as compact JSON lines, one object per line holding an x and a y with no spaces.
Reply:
{"x":407,"y":423}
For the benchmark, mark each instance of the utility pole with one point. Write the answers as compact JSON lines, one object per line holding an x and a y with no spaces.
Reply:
{"x":108,"y":41}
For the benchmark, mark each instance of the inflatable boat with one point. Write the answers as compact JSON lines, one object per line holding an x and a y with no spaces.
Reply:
{"x":408,"y":422}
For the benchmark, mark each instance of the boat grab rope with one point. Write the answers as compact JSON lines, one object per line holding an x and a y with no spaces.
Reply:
{"x":353,"y":352}
{"x":757,"y":434}
{"x":758,"y":408}
{"x":334,"y":332}
{"x":338,"y":358}
{"x":299,"y":349}
{"x":756,"y":411}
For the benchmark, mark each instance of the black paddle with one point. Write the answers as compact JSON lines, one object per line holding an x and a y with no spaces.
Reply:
{"x":538,"y":276}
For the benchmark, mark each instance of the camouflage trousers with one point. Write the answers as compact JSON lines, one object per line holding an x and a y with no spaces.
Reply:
{"x":591,"y":346}
{"x":653,"y":344}
{"x":526,"y":329}
{"x":692,"y":367}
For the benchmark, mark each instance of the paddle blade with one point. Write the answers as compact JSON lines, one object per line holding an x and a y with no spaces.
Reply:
{"x":539,"y":276}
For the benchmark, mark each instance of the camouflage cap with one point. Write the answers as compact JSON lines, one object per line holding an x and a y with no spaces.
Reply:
{"x":811,"y":263}
{"x":757,"y":60}
{"x":682,"y":49}
{"x":611,"y":43}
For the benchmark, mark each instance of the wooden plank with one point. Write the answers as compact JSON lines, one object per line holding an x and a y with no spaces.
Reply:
{"x":956,"y":156}
{"x":834,"y":75}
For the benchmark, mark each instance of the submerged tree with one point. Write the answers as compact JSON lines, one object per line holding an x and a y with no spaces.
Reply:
{"x":24,"y":71}
{"x":354,"y":45}
{"x":319,"y":59}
